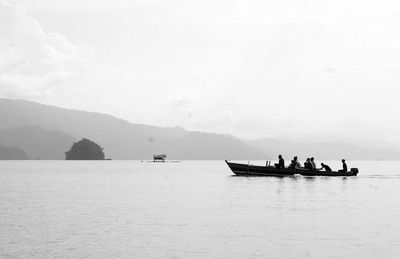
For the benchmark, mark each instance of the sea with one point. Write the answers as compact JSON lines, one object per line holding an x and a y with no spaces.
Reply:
{"x":195,"y":209}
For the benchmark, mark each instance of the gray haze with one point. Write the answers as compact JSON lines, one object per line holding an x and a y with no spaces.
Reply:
{"x":47,"y":132}
{"x":254,"y":69}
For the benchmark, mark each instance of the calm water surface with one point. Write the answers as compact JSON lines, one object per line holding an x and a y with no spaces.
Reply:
{"x":129,"y":209}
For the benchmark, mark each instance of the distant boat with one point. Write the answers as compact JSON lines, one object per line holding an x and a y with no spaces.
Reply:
{"x":267,"y":170}
{"x":162,"y":158}
{"x":159,"y":158}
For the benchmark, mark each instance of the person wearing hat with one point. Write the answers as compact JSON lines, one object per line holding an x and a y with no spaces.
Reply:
{"x":344,"y":170}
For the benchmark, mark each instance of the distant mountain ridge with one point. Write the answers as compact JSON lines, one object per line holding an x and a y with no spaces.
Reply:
{"x":47,"y":132}
{"x":37,"y":142}
{"x":121,"y":139}
{"x":12,"y":153}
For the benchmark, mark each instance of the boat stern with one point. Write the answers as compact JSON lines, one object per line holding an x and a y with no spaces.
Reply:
{"x":354,"y":171}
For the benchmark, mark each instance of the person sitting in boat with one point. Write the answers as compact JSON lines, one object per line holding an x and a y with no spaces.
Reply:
{"x":313,"y":165}
{"x":295,"y":163}
{"x":326,"y":167}
{"x":281,"y":163}
{"x":307,"y":164}
{"x":344,"y":170}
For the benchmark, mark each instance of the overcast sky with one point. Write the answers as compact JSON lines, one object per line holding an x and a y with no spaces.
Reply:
{"x":252,"y":68}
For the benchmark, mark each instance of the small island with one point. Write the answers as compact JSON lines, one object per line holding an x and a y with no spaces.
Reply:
{"x":85,"y":149}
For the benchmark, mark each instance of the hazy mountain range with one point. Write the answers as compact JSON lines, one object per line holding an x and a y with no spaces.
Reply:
{"x":36,"y":131}
{"x":37,"y":142}
{"x":12,"y":153}
{"x":46,"y":132}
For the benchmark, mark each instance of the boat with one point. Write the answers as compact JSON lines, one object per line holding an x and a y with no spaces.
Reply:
{"x":305,"y":172}
{"x":268,"y":170}
{"x":159,"y":158}
{"x":257,"y":170}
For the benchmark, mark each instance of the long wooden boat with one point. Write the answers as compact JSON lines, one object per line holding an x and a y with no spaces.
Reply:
{"x":305,"y":172}
{"x":257,"y":170}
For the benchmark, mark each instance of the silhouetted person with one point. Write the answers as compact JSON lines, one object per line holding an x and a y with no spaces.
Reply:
{"x":307,"y":164}
{"x":326,"y":167}
{"x":344,"y":170}
{"x":281,"y":163}
{"x":295,"y":163}
{"x":313,"y":165}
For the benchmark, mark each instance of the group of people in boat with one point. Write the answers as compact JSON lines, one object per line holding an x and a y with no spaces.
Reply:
{"x":309,"y":164}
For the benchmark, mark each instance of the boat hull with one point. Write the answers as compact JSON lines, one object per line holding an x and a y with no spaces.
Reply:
{"x":325,"y":173}
{"x":256,"y":170}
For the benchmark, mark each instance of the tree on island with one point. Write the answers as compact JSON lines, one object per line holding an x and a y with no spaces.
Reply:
{"x":85,"y":149}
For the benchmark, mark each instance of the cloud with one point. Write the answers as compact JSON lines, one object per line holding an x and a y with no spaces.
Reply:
{"x":250,"y":68}
{"x":33,"y":62}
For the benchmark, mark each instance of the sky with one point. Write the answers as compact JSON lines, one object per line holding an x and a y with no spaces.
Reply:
{"x":252,"y":68}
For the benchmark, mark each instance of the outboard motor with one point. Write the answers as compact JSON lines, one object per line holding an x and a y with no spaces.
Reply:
{"x":354,"y":171}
